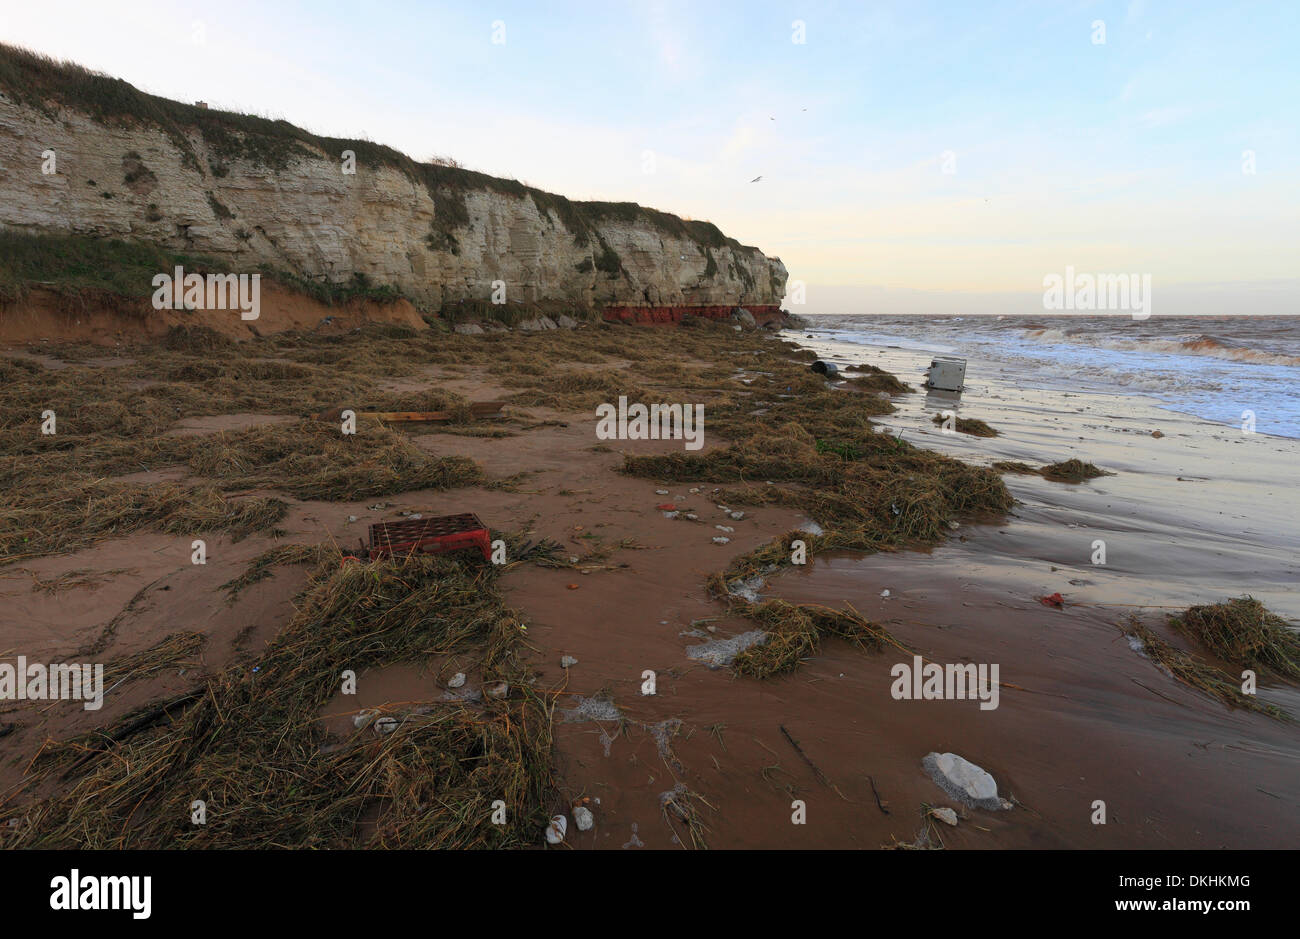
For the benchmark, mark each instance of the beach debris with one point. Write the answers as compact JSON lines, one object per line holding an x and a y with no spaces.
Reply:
{"x":726,"y":528}
{"x":385,"y":725}
{"x":435,"y":535}
{"x":954,"y":525}
{"x":811,"y":527}
{"x":363,"y":717}
{"x":634,"y":841}
{"x":456,"y":681}
{"x":1157,"y":434}
{"x":963,"y":780}
{"x":945,"y":815}
{"x":566,"y":661}
{"x":556,"y":830}
{"x":351,"y":519}
{"x":478,"y":409}
{"x":672,"y":514}
{"x":583,"y":817}
{"x":747,"y":589}
{"x":719,"y":652}
{"x":824,"y":368}
{"x":694,"y":489}
{"x":592,"y":709}
{"x":721,"y":539}
{"x":666,"y":507}
{"x":379,"y":506}
{"x":1054,"y":600}
{"x":499,"y":690}
{"x":821,"y":777}
{"x":661,"y":492}
{"x":946,"y":373}
{"x":884,"y":593}
{"x":736,"y":516}
{"x":572,"y":586}
{"x":692,"y":516}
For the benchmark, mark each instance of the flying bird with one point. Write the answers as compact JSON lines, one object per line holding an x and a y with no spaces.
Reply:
{"x":756,"y":179}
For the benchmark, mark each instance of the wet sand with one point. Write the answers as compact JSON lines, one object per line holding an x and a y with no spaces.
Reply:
{"x":1195,"y":516}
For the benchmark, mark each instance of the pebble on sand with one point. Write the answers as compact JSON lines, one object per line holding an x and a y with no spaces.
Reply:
{"x":945,"y":815}
{"x":963,"y":780}
{"x":584,"y":818}
{"x":556,"y":830}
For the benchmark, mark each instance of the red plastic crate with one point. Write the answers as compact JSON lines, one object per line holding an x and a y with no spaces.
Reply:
{"x":430,"y":536}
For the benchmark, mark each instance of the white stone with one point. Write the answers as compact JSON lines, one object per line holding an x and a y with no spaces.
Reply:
{"x":567,"y":660}
{"x":945,"y":815}
{"x":556,"y":830}
{"x":721,"y":539}
{"x":457,"y":680}
{"x":584,"y":818}
{"x":964,"y":777}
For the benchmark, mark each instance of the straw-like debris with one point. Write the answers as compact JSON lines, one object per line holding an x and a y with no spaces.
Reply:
{"x":1244,"y":633}
{"x":250,"y":743}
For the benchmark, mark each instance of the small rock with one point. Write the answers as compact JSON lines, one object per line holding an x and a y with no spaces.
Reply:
{"x":963,"y":780}
{"x":725,"y":528}
{"x":457,"y":680}
{"x":721,"y":539}
{"x":584,"y":818}
{"x":567,"y":660}
{"x":557,"y":829}
{"x":945,"y":815}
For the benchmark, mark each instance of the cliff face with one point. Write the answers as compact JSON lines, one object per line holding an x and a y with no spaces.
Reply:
{"x":248,"y":192}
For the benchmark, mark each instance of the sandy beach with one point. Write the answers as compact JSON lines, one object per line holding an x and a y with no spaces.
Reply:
{"x":714,"y":758}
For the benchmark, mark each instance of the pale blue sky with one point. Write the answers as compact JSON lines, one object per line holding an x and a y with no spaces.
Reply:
{"x":1117,"y":157}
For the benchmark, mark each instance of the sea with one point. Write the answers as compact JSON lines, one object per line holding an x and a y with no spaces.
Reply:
{"x":1228,"y":369}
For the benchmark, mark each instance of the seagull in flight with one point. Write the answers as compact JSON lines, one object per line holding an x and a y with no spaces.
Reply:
{"x":756,"y":179}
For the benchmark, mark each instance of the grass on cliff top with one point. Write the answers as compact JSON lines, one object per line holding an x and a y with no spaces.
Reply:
{"x":44,"y":83}
{"x":251,"y":745}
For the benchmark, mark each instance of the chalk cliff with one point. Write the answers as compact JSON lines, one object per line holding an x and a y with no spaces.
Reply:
{"x":248,"y":192}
